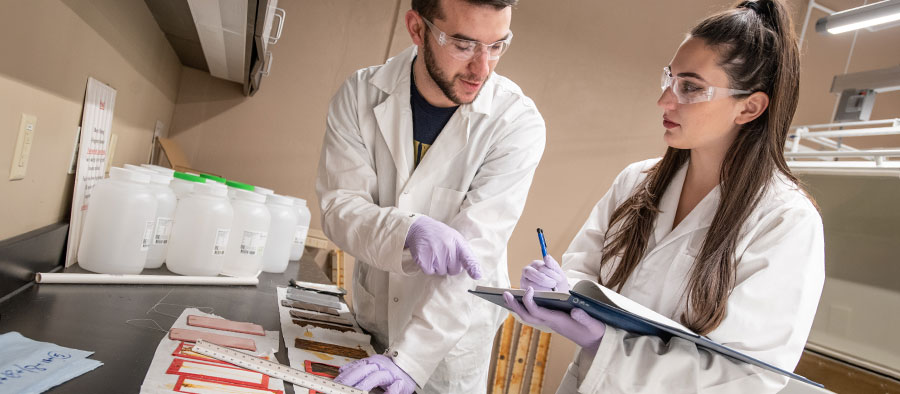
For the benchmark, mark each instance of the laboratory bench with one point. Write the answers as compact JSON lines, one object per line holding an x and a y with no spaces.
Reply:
{"x":93,"y":318}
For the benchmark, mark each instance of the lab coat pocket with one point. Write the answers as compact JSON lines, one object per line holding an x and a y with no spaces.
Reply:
{"x":363,"y":300}
{"x":445,"y":203}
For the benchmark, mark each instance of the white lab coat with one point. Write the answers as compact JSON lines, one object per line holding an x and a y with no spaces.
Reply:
{"x":475,"y":178}
{"x":780,"y":274}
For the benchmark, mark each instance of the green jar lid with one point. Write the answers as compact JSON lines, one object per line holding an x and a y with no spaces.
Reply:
{"x":188,"y":177}
{"x":213,"y":177}
{"x":239,"y":185}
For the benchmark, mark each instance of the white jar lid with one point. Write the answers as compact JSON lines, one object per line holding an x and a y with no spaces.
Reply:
{"x":160,"y":179}
{"x":263,"y":191}
{"x":279,"y":200}
{"x":211,"y":188}
{"x":299,"y":202}
{"x":247,"y":195}
{"x":162,"y":170}
{"x":155,"y":177}
{"x":128,"y":175}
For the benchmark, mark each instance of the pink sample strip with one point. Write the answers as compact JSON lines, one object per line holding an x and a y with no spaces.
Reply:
{"x":182,"y":334}
{"x":225,"y":325}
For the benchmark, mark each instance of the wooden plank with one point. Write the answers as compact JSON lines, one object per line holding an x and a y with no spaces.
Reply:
{"x":520,"y":359}
{"x":340,"y":264}
{"x":540,"y":364}
{"x":842,"y":377}
{"x":503,"y":355}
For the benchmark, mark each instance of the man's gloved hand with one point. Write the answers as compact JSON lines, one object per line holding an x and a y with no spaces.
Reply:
{"x":578,"y":326}
{"x":438,"y":249}
{"x":544,"y":275}
{"x":376,"y":371}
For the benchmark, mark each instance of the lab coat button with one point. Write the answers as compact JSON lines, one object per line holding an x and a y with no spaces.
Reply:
{"x":394,"y":353}
{"x":396,"y":299}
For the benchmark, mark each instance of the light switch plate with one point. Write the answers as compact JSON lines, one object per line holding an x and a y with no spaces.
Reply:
{"x":27,"y":127}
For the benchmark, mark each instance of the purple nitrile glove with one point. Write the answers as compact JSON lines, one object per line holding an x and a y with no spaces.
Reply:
{"x":544,"y":275}
{"x":376,"y":371}
{"x":578,"y":326}
{"x":438,"y":249}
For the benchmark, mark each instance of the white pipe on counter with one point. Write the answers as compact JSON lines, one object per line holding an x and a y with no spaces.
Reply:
{"x":143,"y":279}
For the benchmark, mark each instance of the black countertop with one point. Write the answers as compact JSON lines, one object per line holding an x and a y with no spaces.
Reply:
{"x":92,"y":317}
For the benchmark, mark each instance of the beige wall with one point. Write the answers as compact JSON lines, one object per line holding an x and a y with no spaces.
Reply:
{"x":592,"y":68}
{"x":49,"y":49}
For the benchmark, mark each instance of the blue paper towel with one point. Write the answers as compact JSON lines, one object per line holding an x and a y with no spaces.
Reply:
{"x":28,"y":366}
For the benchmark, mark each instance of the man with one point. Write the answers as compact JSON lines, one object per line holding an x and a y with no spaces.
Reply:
{"x":425,"y":167}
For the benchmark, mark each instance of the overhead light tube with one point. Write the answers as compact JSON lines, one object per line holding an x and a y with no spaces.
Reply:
{"x":869,"y":15}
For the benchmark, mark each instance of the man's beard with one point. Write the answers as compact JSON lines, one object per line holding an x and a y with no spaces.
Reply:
{"x":445,"y":84}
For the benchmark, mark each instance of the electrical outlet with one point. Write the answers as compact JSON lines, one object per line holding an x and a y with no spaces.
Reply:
{"x":24,"y":141}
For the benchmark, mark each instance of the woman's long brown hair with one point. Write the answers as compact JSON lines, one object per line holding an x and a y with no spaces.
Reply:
{"x":757,"y":48}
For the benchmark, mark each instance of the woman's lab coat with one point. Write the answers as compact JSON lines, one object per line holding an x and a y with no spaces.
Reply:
{"x":780,"y":274}
{"x":475,"y":178}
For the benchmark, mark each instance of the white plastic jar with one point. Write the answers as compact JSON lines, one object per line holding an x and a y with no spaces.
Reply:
{"x":165,"y":213}
{"x":303,"y":218}
{"x":118,"y":225}
{"x":281,"y":233}
{"x":201,"y":230}
{"x":183,"y":183}
{"x":249,"y":232}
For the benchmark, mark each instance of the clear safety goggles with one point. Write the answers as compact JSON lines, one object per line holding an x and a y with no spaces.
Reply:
{"x":690,"y":92}
{"x":464,"y":50}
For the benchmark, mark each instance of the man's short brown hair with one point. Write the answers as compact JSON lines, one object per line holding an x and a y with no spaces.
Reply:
{"x":431,"y":9}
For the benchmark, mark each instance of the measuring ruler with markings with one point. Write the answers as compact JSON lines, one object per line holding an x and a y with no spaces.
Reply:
{"x":273,"y":369}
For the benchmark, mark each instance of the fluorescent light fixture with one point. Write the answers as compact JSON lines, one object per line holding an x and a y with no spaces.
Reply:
{"x":869,"y":15}
{"x":222,"y":25}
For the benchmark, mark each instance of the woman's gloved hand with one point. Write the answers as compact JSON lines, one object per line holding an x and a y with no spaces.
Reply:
{"x":544,"y":275}
{"x":577,"y":325}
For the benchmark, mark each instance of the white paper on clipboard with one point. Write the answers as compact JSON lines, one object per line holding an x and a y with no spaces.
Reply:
{"x":96,"y":126}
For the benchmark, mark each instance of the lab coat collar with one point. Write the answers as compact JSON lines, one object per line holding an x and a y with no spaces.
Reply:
{"x":394,"y":76}
{"x":698,"y":219}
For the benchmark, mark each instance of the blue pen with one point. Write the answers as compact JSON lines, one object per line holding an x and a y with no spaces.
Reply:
{"x":542,"y":241}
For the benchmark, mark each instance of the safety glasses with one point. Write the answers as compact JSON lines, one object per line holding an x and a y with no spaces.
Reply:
{"x":688,"y":91}
{"x":464,"y":50}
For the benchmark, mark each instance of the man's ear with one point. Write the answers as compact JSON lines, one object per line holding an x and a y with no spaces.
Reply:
{"x":416,"y":27}
{"x":753,"y":107}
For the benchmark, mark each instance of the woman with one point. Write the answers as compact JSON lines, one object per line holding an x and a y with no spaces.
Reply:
{"x":717,"y":234}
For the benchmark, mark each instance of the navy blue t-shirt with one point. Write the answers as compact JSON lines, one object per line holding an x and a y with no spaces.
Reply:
{"x":428,"y":120}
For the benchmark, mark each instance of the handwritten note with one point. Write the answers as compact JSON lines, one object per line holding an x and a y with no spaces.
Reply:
{"x":28,"y":366}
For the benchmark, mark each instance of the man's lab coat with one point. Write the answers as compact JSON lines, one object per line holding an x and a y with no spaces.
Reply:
{"x":475,"y":178}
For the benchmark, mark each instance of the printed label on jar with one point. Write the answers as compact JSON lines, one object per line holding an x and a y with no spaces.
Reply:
{"x":253,"y":242}
{"x":147,"y":239}
{"x":300,"y":235}
{"x":163,"y":230}
{"x":221,"y":241}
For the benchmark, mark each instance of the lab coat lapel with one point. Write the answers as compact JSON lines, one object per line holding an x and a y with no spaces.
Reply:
{"x":668,"y":204}
{"x":449,"y":143}
{"x":698,"y":219}
{"x":394,"y":115}
{"x":455,"y":134}
{"x":395,"y":123}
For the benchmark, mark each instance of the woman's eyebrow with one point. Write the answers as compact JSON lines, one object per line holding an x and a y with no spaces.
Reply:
{"x":692,"y":75}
